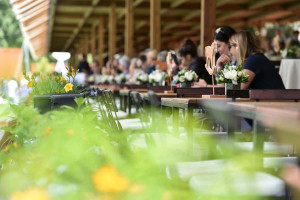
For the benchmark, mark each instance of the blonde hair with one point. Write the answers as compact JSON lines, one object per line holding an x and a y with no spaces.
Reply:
{"x":152,"y":54}
{"x":246,"y":44}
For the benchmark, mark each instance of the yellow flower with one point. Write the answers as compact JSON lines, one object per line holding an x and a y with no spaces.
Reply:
{"x":108,"y":180}
{"x":29,"y":84}
{"x":15,"y":145}
{"x":136,"y":189}
{"x":70,"y":132}
{"x":31,"y":194}
{"x":85,"y":139}
{"x":62,"y":79}
{"x":47,"y":131}
{"x":73,"y":70}
{"x":68,"y":87}
{"x":6,"y":149}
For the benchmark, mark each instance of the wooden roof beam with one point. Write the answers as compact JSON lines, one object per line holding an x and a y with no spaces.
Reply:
{"x":29,"y":5}
{"x":228,"y":15}
{"x":34,"y":11}
{"x":52,"y":12}
{"x":177,"y":3}
{"x":223,"y":2}
{"x":36,"y":23}
{"x":258,"y":4}
{"x":81,"y":23}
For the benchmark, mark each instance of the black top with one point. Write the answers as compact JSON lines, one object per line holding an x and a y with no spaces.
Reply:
{"x":266,"y":76}
{"x":175,"y":71}
{"x":84,"y":65}
{"x":198,"y":66}
{"x":151,"y":69}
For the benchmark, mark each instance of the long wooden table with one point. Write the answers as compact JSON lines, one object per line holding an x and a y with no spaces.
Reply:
{"x":188,"y":104}
{"x":282,"y":116}
{"x":159,"y":95}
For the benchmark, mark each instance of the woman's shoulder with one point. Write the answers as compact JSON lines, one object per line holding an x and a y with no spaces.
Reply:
{"x":258,"y":57}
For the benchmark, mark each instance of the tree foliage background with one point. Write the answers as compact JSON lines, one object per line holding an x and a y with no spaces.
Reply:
{"x":10,"y":32}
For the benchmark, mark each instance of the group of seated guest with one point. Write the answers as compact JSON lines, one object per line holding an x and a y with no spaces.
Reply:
{"x":235,"y":48}
{"x":239,"y":48}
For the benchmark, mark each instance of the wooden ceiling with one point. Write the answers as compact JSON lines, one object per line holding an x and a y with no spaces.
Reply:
{"x":33,"y":18}
{"x":70,"y":21}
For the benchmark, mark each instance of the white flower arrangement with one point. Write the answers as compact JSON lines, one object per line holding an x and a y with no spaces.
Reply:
{"x":232,"y":74}
{"x":142,"y":77}
{"x":106,"y":79}
{"x":158,"y":76}
{"x":120,"y":78}
{"x":185,"y":76}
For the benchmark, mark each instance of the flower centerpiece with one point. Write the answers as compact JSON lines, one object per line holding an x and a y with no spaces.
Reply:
{"x":291,"y":52}
{"x":158,"y":77}
{"x":50,"y":91}
{"x":142,"y":78}
{"x":232,"y":76}
{"x":120,"y":78}
{"x":185,"y":78}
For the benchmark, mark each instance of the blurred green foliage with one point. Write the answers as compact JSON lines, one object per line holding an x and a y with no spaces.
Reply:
{"x":10,"y":32}
{"x":71,"y":154}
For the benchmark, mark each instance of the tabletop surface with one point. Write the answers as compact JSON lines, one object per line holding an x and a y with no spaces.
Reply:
{"x":277,"y":109}
{"x":160,"y":95}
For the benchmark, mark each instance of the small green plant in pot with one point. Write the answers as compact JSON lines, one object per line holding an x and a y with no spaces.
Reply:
{"x":50,"y":91}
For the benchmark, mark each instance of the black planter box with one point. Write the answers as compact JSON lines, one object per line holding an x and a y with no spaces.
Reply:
{"x":47,"y":102}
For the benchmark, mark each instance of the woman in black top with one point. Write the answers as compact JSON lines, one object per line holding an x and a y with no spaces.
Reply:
{"x":190,"y":59}
{"x":262,"y":73}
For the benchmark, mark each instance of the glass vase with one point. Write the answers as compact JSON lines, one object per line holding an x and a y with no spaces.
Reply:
{"x":231,"y":86}
{"x":185,"y":85}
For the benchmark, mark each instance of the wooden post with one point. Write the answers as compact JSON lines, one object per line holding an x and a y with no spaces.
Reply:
{"x":155,"y":37}
{"x":129,"y":17}
{"x":86,"y":44}
{"x":112,"y":31}
{"x":81,"y":46}
{"x":101,"y":42}
{"x":93,"y":43}
{"x":208,"y":21}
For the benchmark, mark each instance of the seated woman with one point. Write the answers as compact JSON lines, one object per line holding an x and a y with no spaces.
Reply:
{"x":222,"y":36}
{"x":190,"y":59}
{"x":262,"y":73}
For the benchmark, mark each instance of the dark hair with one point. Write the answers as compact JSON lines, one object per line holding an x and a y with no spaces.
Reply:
{"x":223,"y":34}
{"x":143,"y":58}
{"x":188,"y":47}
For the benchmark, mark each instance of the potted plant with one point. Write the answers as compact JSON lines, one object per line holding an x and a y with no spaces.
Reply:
{"x":142,"y":78}
{"x":232,"y":76}
{"x":158,"y":78}
{"x":185,"y":78}
{"x":50,"y":91}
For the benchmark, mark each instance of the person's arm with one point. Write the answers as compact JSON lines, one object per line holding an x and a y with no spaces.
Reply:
{"x":251,"y":75}
{"x":222,"y":60}
{"x":203,"y":83}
